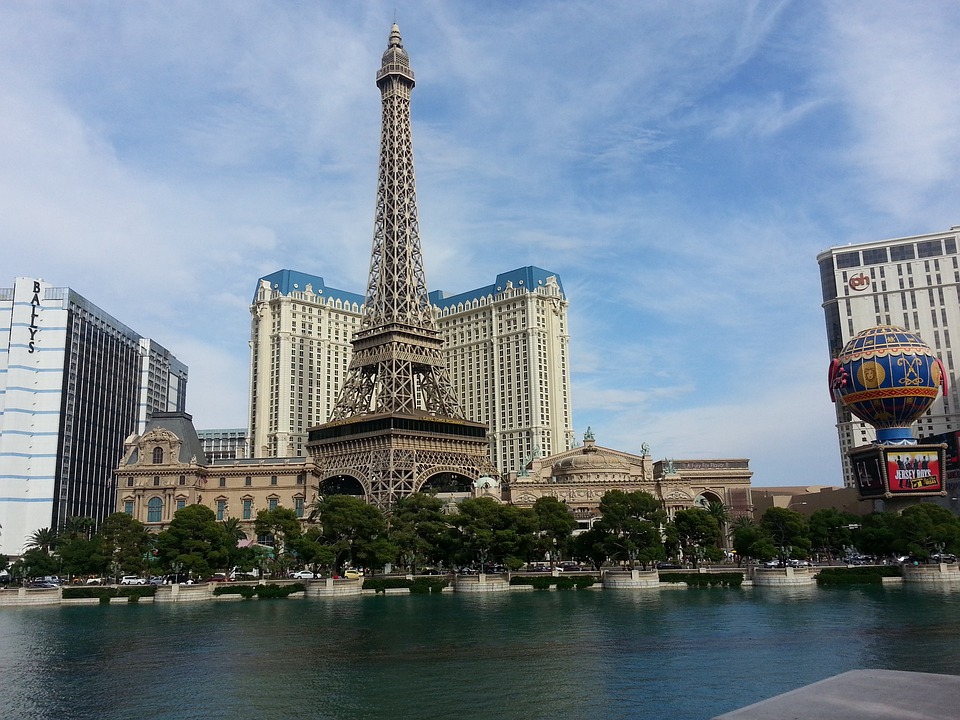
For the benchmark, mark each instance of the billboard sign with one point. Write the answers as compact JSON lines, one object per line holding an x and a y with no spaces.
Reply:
{"x":899,"y":471}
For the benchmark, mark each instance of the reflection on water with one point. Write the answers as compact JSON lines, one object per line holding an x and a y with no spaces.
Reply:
{"x":648,"y":654}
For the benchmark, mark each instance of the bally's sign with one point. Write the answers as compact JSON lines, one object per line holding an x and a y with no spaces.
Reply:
{"x":34,"y":313}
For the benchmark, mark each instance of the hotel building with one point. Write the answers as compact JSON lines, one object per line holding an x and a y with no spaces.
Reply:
{"x":506,"y":346}
{"x":74,"y":383}
{"x":911,"y":282}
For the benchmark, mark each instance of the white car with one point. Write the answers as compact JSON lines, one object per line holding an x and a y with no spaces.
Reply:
{"x":132,"y":580}
{"x":302,"y":575}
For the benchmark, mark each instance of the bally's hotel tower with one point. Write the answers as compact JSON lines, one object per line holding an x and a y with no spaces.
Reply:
{"x":74,"y":383}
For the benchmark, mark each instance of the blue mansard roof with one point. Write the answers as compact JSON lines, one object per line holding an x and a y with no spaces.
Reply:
{"x":529,"y":277}
{"x":288,"y":281}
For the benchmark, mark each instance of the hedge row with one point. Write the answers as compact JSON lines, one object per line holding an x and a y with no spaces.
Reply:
{"x":263,"y":592}
{"x":133,"y":592}
{"x":865,"y":575}
{"x":704,"y":579}
{"x":546,"y":582}
{"x":419,"y":585}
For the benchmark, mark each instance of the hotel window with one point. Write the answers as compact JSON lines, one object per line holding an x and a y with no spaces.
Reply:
{"x":221,"y":509}
{"x":154,"y":509}
{"x":157,"y":456}
{"x":181,"y":503}
{"x":183,"y":479}
{"x":248,"y":481}
{"x":156,"y":481}
{"x":128,"y":507}
{"x":847,"y":260}
{"x":247,"y":508}
{"x":273,"y":479}
{"x":129,"y":482}
{"x":273,"y":503}
{"x":298,"y":506}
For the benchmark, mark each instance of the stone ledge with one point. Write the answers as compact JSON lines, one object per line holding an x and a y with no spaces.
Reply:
{"x":862,"y":695}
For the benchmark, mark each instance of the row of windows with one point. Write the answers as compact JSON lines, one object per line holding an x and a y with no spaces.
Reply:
{"x":911,"y":251}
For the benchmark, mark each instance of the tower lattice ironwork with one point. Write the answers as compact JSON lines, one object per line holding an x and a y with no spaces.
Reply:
{"x":397,"y":422}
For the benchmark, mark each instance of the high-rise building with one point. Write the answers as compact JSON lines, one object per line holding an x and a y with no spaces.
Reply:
{"x":911,"y":282}
{"x":299,"y":352}
{"x":224,"y":443}
{"x":74,"y":383}
{"x":505,"y":345}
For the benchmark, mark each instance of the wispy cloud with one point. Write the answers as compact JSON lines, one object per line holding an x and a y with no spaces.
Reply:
{"x":679,"y":165}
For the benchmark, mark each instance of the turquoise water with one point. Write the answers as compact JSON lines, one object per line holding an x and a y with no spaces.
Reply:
{"x":687,"y":654}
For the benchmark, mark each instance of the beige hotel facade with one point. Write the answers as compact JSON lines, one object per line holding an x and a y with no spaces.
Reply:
{"x":506,"y":346}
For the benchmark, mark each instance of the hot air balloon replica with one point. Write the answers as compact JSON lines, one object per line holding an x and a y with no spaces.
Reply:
{"x":888,"y":377}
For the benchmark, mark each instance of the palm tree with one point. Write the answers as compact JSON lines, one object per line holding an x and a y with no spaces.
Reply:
{"x":718,"y":511}
{"x":43,"y":539}
{"x":234,"y":529}
{"x":75,"y":528}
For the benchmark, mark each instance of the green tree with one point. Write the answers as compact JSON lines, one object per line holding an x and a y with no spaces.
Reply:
{"x":830,"y":531}
{"x":923,"y":529}
{"x":124,"y":542}
{"x":787,"y":530}
{"x":492,"y":532}
{"x":556,"y":524}
{"x":877,"y":535}
{"x":750,"y":542}
{"x":590,"y":546}
{"x":719,"y":512}
{"x":43,"y":539}
{"x":195,"y":541}
{"x":632,"y":523}
{"x":283,"y":528}
{"x":34,"y":563}
{"x":346,"y":524}
{"x":82,"y":556}
{"x":419,"y":529}
{"x":74,"y":528}
{"x":698,"y":533}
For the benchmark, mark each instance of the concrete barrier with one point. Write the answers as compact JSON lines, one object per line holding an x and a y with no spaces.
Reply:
{"x":783,"y":577}
{"x":630,"y":579}
{"x":334,"y":588}
{"x":932,"y":574}
{"x":481,"y":583}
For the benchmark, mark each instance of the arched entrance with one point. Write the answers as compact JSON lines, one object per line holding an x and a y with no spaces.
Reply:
{"x":447,"y":482}
{"x":341,"y":485}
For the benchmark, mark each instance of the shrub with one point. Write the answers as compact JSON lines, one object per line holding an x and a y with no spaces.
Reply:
{"x":540,"y":582}
{"x":861,"y":575}
{"x":264,"y":592}
{"x":704,"y":579}
{"x":428,"y":585}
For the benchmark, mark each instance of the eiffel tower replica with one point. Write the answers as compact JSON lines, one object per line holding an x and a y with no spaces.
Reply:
{"x":397,"y":424}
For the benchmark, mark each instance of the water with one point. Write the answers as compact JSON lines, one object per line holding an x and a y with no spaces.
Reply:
{"x":685,"y":654}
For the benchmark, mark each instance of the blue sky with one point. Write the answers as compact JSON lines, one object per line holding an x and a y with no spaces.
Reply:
{"x":679,"y":165}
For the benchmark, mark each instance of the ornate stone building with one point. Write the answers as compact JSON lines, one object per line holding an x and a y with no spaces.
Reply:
{"x":580,"y":477}
{"x":165,"y":469}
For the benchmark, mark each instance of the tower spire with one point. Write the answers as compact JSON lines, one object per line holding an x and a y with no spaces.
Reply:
{"x":397,"y":421}
{"x":397,"y":363}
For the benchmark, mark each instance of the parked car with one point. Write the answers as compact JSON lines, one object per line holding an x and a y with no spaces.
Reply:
{"x":943,"y":558}
{"x":94,"y":581}
{"x":668,"y":566}
{"x":352,"y":574}
{"x":132,"y":580}
{"x":302,"y":575}
{"x":43,"y":584}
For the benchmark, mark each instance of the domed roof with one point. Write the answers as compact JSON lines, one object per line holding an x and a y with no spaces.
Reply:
{"x":591,"y":458}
